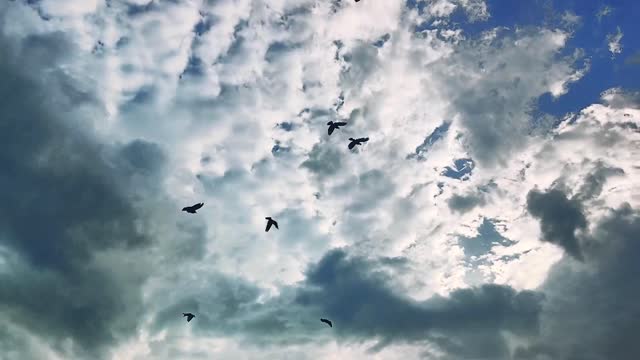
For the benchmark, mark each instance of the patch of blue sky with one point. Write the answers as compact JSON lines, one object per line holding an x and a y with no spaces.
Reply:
{"x":195,"y":67}
{"x":487,"y":238}
{"x":606,"y":70}
{"x":437,"y":134}
{"x":589,"y":34}
{"x":287,"y":126}
{"x":279,"y":150}
{"x":382,"y":40}
{"x":461,"y":170}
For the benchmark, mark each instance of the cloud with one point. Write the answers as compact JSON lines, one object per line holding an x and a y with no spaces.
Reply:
{"x":71,"y":227}
{"x":619,"y":98}
{"x":464,"y":203}
{"x":357,"y":295}
{"x":594,"y":182}
{"x":614,"y":42}
{"x":128,"y":111}
{"x":633,"y":59}
{"x":560,"y":218}
{"x":352,"y":292}
{"x":604,"y":11}
{"x":493,"y":100}
{"x":601,"y":291}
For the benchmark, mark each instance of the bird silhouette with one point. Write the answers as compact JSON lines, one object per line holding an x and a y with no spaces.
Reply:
{"x":189,"y":316}
{"x":358,"y":141}
{"x":335,"y":125}
{"x":270,"y":222}
{"x":192,"y":209}
{"x":328,"y":322}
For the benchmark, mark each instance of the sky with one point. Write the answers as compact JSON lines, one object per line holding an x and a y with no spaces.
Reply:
{"x":493,"y":214}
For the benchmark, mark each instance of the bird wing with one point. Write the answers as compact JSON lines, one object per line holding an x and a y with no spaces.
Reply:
{"x":330,"y":130}
{"x":326,"y":322}
{"x":268,"y":226}
{"x":341,"y":123}
{"x":275,"y":223}
{"x":352,"y":144}
{"x":198,"y":206}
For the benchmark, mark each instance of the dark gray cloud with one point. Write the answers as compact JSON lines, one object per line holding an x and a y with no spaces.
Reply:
{"x":371,"y":189}
{"x":593,"y":184}
{"x":360,"y":61}
{"x":323,"y":160}
{"x":67,"y":206}
{"x":357,"y":295}
{"x":592,"y":308}
{"x":559,"y":217}
{"x":217,"y":310}
{"x":465,"y":203}
{"x":488,"y":122}
{"x":353,"y":292}
{"x":494,"y":113}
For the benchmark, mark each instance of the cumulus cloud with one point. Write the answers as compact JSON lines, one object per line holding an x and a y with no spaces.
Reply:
{"x":501,"y":82}
{"x":67,"y":210}
{"x":438,"y":239}
{"x":560,"y":218}
{"x":356,"y":294}
{"x":599,"y":292}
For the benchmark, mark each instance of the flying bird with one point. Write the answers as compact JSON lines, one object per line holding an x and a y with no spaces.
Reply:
{"x":328,"y":322}
{"x":355,"y":142}
{"x":335,"y":125}
{"x":189,"y":316}
{"x":192,"y":209}
{"x":271,"y":222}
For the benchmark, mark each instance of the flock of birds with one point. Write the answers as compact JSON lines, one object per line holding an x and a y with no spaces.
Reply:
{"x":270,"y":221}
{"x":193,"y":209}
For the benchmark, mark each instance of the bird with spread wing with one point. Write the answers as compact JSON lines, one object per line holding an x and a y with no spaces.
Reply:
{"x":192,"y":209}
{"x":189,"y":316}
{"x":271,"y":222}
{"x":326,"y":321}
{"x":358,"y":141}
{"x":335,"y":125}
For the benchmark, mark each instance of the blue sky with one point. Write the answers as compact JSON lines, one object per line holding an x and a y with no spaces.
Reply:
{"x":589,"y":35}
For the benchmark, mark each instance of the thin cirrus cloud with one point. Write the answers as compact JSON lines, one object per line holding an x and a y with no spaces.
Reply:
{"x":454,"y":233}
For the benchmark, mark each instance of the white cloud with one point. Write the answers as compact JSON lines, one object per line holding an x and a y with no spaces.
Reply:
{"x":614,"y":42}
{"x":604,"y":11}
